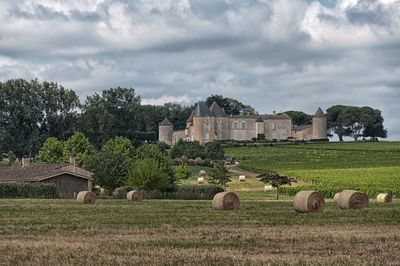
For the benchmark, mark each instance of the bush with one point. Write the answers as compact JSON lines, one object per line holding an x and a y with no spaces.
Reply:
{"x":191,"y":149}
{"x":11,"y":158}
{"x":185,"y":192}
{"x":183,"y":171}
{"x":28,"y":190}
{"x":214,"y":151}
{"x":148,"y":174}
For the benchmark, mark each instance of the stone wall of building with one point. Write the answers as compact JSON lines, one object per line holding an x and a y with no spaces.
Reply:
{"x":165,"y":134}
{"x":242,"y":128}
{"x":204,"y":129}
{"x":177,"y":135}
{"x":303,"y":134}
{"x":279,"y":129}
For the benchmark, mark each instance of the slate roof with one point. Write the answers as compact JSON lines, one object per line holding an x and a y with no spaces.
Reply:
{"x":264,"y":116}
{"x":319,"y":113}
{"x":35,"y":173}
{"x":166,"y":122}
{"x":302,"y":127}
{"x":217,"y":110}
{"x":202,"y":110}
{"x":277,"y":116}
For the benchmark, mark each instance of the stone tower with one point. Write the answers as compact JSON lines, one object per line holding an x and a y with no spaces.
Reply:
{"x":203,"y":124}
{"x":221,"y":122}
{"x":319,"y":125}
{"x":260,"y":127}
{"x":165,"y":130}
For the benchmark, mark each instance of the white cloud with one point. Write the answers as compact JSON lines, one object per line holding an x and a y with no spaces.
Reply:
{"x":275,"y":55}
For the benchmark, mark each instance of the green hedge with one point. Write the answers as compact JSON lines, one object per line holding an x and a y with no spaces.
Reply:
{"x":331,"y":191}
{"x":186,"y":192}
{"x":28,"y":190}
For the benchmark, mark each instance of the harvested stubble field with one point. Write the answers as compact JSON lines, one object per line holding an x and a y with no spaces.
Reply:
{"x":168,"y":232}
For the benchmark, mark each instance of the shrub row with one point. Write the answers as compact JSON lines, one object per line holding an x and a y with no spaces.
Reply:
{"x":28,"y":190}
{"x":331,"y":191}
{"x":185,"y":192}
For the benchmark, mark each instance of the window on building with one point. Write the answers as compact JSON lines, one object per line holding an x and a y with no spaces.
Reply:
{"x":273,"y":126}
{"x":243,"y":124}
{"x":235,"y":125}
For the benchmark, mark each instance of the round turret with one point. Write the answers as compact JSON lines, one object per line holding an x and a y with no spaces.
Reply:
{"x":319,"y":125}
{"x":165,"y":130}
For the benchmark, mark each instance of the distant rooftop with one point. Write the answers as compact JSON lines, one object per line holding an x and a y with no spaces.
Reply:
{"x":165,"y":122}
{"x":319,"y":113}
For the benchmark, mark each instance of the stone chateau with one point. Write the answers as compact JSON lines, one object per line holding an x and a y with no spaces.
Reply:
{"x":207,"y":124}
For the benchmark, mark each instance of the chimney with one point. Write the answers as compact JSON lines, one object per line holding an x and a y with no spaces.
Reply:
{"x":26,"y":162}
{"x":274,"y":112}
{"x":72,"y":160}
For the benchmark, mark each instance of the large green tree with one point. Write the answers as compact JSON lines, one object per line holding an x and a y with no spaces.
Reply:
{"x":113,"y":113}
{"x":78,"y":146}
{"x":20,"y":116}
{"x":355,"y":122}
{"x":230,"y":106}
{"x":300,"y":118}
{"x":110,"y":165}
{"x":59,"y":107}
{"x":31,"y":111}
{"x":52,"y":151}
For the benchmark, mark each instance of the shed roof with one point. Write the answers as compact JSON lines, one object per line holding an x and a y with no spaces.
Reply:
{"x":35,"y":173}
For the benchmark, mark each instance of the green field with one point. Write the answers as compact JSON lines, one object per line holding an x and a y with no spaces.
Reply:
{"x":330,"y":167}
{"x":263,"y":232}
{"x":172,"y":232}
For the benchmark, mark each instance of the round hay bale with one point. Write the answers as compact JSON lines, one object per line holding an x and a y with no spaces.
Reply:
{"x":268,"y":188}
{"x":308,"y":201}
{"x":226,"y":201}
{"x":134,"y":195}
{"x":384,"y":198}
{"x":200,"y":180}
{"x":242,"y":178}
{"x":336,"y":197}
{"x":352,"y":199}
{"x":86,"y":197}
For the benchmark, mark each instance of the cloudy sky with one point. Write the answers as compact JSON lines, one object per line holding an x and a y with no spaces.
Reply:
{"x":272,"y":54}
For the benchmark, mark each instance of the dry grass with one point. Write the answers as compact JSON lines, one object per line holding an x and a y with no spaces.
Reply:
{"x":46,"y":232}
{"x":334,"y":245}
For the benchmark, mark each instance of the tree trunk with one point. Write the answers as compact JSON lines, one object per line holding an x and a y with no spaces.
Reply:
{"x":277,"y":194}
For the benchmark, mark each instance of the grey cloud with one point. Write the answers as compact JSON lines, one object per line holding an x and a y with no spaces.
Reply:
{"x":242,"y":49}
{"x":368,"y":12}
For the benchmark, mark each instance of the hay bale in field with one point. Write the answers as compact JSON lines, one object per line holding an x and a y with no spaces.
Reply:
{"x":308,"y":201}
{"x":202,"y":172}
{"x":134,"y":195}
{"x":242,"y":178}
{"x":384,"y":198}
{"x":86,"y":197}
{"x":336,"y":197}
{"x":352,"y":199}
{"x":200,"y":180}
{"x":268,"y":188}
{"x":226,"y":201}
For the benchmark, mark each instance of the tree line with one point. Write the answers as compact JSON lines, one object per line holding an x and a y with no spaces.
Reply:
{"x":32,"y":111}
